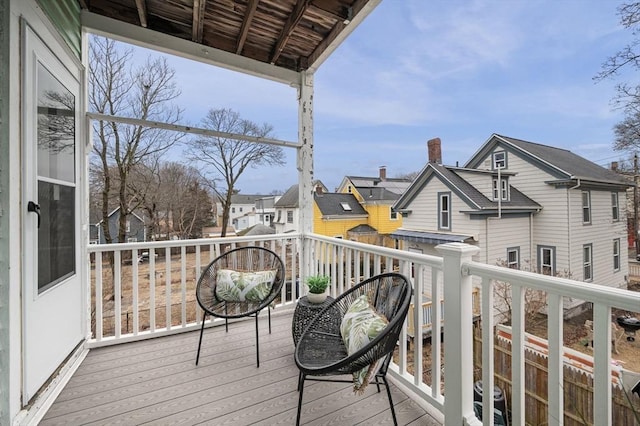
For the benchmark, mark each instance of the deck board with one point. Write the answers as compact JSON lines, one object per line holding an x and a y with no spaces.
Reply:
{"x":156,"y":382}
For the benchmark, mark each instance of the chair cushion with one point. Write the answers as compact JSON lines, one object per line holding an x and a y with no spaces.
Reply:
{"x":235,"y":286}
{"x":360,"y":325}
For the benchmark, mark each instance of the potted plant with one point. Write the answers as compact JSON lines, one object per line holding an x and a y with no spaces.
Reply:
{"x":317,"y":288}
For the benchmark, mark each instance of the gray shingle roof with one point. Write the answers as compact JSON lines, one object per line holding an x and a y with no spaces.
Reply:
{"x":289,"y":198}
{"x":394,"y":185}
{"x":330,"y":204}
{"x":245,"y":198}
{"x":377,"y":194}
{"x":571,"y":165}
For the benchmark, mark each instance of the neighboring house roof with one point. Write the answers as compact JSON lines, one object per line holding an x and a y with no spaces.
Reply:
{"x":394,"y":185}
{"x":370,"y":194}
{"x":258,"y":229}
{"x":338,"y":204}
{"x":291,"y":197}
{"x":562,"y":163}
{"x":363,"y":229}
{"x":215,"y":231}
{"x":477,"y":202}
{"x":429,"y":237}
{"x":245,"y":198}
{"x":117,"y":209}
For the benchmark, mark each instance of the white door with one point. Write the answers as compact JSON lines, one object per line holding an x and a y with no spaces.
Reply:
{"x":52,"y":292}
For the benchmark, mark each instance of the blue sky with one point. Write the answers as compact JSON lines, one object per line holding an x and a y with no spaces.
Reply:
{"x":455,"y":69}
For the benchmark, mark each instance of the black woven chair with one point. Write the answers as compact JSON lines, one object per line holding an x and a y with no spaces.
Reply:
{"x":241,"y":260}
{"x":321,"y":350}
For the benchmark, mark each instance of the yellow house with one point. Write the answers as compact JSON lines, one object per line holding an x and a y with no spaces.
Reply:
{"x":336,"y":215}
{"x":376,"y":195}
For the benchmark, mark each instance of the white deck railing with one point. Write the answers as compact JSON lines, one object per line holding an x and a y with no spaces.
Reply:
{"x":125,"y":308}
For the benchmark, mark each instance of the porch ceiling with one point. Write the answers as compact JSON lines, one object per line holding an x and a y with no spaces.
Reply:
{"x":289,"y":35}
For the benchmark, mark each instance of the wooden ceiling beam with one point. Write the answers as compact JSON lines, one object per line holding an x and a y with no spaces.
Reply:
{"x":287,"y":30}
{"x":246,"y":24}
{"x":333,"y":10}
{"x":141,"y":5}
{"x":198,"y":20}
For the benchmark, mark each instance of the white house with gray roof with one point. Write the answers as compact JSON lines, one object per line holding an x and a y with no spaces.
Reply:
{"x":525,"y":205}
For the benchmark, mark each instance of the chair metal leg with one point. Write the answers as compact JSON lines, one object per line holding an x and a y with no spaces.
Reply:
{"x":301,"y":386}
{"x":257,"y":344}
{"x":393,"y":411}
{"x":204,"y":317}
{"x":269,"y":313}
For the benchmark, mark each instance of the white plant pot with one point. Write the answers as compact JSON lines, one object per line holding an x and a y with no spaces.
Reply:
{"x":317,"y":297}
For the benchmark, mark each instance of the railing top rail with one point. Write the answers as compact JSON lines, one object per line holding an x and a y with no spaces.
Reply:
{"x":589,"y":292}
{"x":426,"y":259}
{"x":93,"y":248}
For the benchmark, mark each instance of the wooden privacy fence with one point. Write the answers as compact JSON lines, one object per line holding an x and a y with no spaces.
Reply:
{"x":578,"y":388}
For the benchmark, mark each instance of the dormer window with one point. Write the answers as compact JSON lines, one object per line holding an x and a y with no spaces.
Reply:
{"x":499,"y":160}
{"x":346,"y":207}
{"x":500,"y":191}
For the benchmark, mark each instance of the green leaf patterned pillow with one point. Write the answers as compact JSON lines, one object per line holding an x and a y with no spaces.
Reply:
{"x":360,"y":325}
{"x":234,"y":286}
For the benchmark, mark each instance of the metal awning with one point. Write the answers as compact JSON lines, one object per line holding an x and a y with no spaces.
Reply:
{"x":429,"y":237}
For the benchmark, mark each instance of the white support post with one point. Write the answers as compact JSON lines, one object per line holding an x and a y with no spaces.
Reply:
{"x":305,"y":160}
{"x":458,"y":328}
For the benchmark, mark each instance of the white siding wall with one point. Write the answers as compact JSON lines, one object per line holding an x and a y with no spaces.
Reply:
{"x":600,"y":233}
{"x":424,"y":212}
{"x":550,"y":226}
{"x":559,"y":224}
{"x":505,"y":233}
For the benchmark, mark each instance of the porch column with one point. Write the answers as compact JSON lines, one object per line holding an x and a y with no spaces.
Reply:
{"x":458,"y":327}
{"x":6,"y":208}
{"x":305,"y":152}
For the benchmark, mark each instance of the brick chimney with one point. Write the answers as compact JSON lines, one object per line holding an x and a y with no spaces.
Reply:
{"x":435,"y":151}
{"x":383,"y":173}
{"x":614,"y":166}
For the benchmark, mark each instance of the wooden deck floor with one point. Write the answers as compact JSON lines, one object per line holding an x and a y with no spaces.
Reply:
{"x":157,"y":382}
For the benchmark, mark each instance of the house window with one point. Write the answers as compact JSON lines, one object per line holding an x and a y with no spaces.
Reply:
{"x":444,"y":210}
{"x":547,"y":260}
{"x":233,"y":209}
{"x":392,"y":214}
{"x":132,"y":240}
{"x":587,"y":262}
{"x":586,"y":207}
{"x":614,"y":206}
{"x":513,"y":257}
{"x":240,"y":208}
{"x":289,"y":216}
{"x":502,"y":190}
{"x":349,"y":189}
{"x":346,"y":207}
{"x":128,"y":226}
{"x":279,"y":216}
{"x":616,"y":254}
{"x":499,"y":160}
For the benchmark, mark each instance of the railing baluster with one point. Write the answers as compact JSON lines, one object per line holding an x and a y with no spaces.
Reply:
{"x":183,"y":281}
{"x":555,"y":380}
{"x":152,"y":290}
{"x":117,"y":295}
{"x":134,"y":288}
{"x":98,"y":309}
{"x":487,"y":349}
{"x":167,"y":288}
{"x":517,"y":355}
{"x":601,"y":364}
{"x":436,"y":327}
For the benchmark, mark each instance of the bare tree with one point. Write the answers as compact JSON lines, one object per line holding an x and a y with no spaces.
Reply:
{"x":229,"y":158}
{"x":118,"y":88}
{"x":627,"y":132}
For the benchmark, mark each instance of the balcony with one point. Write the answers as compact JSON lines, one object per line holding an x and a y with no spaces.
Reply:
{"x":156,"y":380}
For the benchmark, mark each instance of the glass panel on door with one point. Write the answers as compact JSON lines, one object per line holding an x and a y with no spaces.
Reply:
{"x":56,"y":181}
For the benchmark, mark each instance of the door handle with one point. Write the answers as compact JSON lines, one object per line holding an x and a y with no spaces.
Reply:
{"x":33,"y":207}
